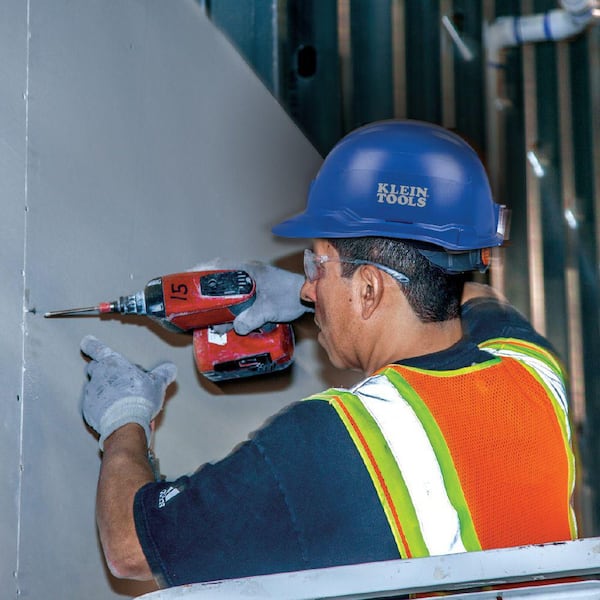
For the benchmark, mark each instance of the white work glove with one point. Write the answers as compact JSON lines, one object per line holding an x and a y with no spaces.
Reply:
{"x":277,"y":295}
{"x":119,"y":392}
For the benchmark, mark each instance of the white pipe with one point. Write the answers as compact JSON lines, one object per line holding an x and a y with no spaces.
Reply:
{"x":580,"y":10}
{"x":554,"y":25}
{"x":461,"y":46}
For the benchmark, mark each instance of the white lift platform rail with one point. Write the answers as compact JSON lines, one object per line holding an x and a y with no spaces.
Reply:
{"x":528,"y":566}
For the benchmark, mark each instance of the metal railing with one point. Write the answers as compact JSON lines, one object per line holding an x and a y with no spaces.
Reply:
{"x":467,"y":572}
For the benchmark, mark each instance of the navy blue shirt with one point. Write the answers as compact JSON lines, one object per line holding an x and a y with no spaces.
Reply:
{"x":297,"y":494}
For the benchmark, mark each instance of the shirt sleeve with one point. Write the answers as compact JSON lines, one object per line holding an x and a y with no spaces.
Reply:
{"x":488,"y":318}
{"x":192,"y":529}
{"x":295,"y":496}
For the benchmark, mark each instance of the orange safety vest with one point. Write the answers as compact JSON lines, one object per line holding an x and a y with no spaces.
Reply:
{"x":467,"y":459}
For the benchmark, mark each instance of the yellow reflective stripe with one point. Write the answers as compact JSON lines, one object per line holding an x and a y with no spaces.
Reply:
{"x":542,"y":360}
{"x":410,"y":465}
{"x":454,"y":372}
{"x":409,"y":442}
{"x":528,"y":349}
{"x":383,"y":470}
{"x":547,"y":370}
{"x":452,"y":485}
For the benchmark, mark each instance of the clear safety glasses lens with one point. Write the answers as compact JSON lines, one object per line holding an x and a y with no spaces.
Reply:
{"x":313,"y":262}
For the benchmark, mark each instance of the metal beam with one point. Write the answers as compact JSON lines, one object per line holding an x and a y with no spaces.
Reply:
{"x":389,"y":578}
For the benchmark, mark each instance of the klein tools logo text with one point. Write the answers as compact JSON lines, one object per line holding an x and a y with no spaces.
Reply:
{"x":404,"y":195}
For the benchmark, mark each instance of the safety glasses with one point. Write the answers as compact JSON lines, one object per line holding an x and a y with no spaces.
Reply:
{"x":313,"y":266}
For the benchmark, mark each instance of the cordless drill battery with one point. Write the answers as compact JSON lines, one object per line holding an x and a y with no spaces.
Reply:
{"x":197,"y":301}
{"x":223,"y":356}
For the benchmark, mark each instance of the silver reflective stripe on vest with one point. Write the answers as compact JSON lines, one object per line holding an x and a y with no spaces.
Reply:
{"x":416,"y":459}
{"x":550,"y":377}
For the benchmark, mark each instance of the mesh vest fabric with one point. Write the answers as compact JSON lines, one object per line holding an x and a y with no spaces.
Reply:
{"x":467,"y":459}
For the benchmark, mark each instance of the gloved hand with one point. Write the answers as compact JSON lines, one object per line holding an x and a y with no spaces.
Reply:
{"x":277,"y":295}
{"x":119,"y":392}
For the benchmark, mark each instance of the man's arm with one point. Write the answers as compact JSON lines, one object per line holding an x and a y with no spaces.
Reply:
{"x":487,"y":314}
{"x":124,"y":470}
{"x":120,"y":401}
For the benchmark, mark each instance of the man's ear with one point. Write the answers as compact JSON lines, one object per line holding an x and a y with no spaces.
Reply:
{"x":371,"y":286}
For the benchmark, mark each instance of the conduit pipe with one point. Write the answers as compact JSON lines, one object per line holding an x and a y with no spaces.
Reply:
{"x":572,"y":18}
{"x":559,"y":24}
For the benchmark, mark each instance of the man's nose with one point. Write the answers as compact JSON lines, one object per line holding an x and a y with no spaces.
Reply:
{"x":307,"y":291}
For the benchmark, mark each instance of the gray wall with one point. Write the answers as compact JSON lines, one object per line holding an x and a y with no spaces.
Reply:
{"x":134,"y":142}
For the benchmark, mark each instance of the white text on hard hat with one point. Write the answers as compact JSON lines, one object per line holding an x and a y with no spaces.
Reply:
{"x":405,"y":195}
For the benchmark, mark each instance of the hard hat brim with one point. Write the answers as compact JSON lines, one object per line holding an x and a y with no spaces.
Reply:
{"x":344,"y":224}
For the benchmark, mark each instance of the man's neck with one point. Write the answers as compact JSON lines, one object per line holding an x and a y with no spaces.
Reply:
{"x":394,"y":344}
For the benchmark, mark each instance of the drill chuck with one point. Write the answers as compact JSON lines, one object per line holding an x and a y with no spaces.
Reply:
{"x":134,"y":304}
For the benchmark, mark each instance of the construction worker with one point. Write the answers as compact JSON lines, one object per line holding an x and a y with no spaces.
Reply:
{"x":456,"y":440}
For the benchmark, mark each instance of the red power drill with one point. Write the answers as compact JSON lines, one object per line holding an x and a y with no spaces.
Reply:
{"x":198,"y":300}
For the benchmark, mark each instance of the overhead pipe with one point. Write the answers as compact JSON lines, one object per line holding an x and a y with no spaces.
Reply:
{"x":572,"y":18}
{"x":559,"y":24}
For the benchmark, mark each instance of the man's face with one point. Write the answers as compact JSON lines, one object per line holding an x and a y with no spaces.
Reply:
{"x":335,"y":308}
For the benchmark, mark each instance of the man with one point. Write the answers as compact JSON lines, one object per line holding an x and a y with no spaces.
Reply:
{"x":456,"y":440}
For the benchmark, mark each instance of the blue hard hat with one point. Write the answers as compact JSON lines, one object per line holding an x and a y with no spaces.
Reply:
{"x":401,"y":179}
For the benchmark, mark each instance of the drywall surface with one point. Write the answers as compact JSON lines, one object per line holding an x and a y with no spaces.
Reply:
{"x":134,"y":142}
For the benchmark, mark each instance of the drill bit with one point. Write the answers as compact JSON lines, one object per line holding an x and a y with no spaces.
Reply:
{"x":103,"y":307}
